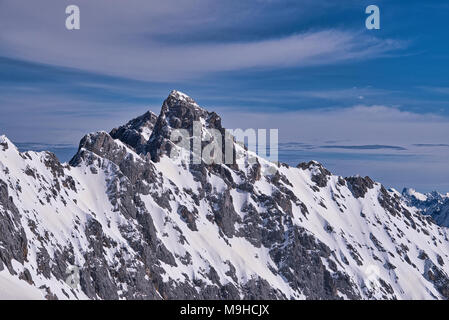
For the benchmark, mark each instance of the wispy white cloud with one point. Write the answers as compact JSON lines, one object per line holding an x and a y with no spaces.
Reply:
{"x":343,"y":94}
{"x":440,"y":90}
{"x":360,"y":124}
{"x":124,"y":40}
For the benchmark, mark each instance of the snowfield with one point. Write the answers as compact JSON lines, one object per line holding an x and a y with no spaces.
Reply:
{"x":140,"y":225}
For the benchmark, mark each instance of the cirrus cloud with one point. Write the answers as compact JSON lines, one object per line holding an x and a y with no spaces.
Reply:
{"x":119,"y":39}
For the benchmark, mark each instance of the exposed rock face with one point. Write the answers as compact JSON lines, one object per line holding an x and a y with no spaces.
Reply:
{"x":320,"y":175}
{"x":13,"y":240}
{"x":138,"y":225}
{"x":438,"y":277}
{"x":359,"y":186}
{"x":136,"y":132}
{"x":179,"y":111}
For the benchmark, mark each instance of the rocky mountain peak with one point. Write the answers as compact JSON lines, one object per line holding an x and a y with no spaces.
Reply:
{"x":151,"y":134}
{"x":412,"y":193}
{"x":179,"y":111}
{"x":4,"y":142}
{"x":178,"y":96}
{"x":142,"y":229}
{"x":432,"y":204}
{"x":136,"y":132}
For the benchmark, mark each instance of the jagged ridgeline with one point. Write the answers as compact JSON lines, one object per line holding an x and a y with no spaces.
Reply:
{"x":135,"y":224}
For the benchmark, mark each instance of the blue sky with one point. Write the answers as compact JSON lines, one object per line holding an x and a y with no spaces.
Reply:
{"x":369,"y":102}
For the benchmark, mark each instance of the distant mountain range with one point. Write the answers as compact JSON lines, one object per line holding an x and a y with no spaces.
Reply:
{"x":433,"y":204}
{"x":123,"y":220}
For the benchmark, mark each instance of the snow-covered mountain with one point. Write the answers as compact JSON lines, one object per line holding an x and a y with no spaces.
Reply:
{"x":139,"y":225}
{"x":433,"y":204}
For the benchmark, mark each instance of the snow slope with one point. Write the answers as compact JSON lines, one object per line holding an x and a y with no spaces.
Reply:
{"x":138,"y":224}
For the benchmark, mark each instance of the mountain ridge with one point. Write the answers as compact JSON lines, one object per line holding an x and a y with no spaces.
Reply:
{"x":139,"y":225}
{"x":432,"y":204}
